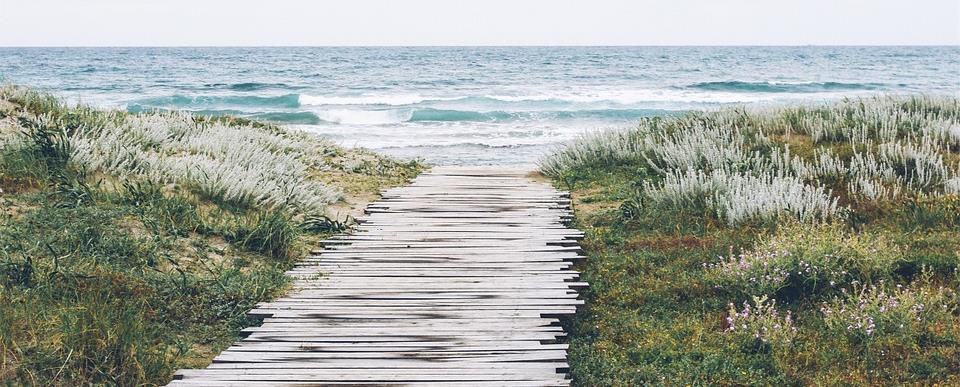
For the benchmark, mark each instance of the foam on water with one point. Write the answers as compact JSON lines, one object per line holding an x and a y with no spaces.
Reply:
{"x":365,"y":117}
{"x":390,"y":100}
{"x":472,"y":105}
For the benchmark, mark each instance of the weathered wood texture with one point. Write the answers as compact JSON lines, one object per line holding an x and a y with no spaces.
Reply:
{"x":454,"y":280}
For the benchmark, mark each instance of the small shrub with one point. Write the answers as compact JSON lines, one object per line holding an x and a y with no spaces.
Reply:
{"x":17,"y":273}
{"x":269,"y":232}
{"x":141,"y":193}
{"x":323,"y":224}
{"x":32,"y":101}
{"x":39,"y":155}
{"x":20,"y":168}
{"x":632,"y":208}
{"x":933,"y":212}
{"x":800,"y":260}
{"x":760,"y":324}
{"x":172,"y":214}
{"x":873,"y":312}
{"x":48,"y":142}
{"x":43,"y":156}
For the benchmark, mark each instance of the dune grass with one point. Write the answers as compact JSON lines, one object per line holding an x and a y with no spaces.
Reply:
{"x":132,"y":245}
{"x":770,"y":246}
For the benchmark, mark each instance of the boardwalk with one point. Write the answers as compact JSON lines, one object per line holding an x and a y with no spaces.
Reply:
{"x":454,"y":280}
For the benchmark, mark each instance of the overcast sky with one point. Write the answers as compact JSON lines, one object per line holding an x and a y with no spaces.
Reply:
{"x":477,"y":22}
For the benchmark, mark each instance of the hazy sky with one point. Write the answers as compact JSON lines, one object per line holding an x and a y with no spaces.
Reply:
{"x":477,"y":22}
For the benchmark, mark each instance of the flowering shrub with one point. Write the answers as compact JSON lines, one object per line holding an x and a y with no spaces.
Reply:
{"x":726,"y":160}
{"x":738,"y":197}
{"x":239,"y":164}
{"x":874,"y":311}
{"x":757,"y":272}
{"x":760,"y":324}
{"x":235,"y":161}
{"x":804,"y":257}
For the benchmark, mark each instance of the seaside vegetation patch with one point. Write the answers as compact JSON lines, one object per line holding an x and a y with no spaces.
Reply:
{"x":132,"y":245}
{"x":814,"y":244}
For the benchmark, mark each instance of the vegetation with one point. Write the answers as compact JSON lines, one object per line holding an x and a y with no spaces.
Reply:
{"x":772,"y":246}
{"x":132,"y":245}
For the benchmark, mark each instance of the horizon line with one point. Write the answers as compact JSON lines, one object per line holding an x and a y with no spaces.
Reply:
{"x":484,"y":45}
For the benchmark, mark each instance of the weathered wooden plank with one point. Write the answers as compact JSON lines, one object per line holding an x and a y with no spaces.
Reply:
{"x":366,"y":377}
{"x":359,"y":262}
{"x":400,"y":366}
{"x":505,"y":383}
{"x":505,"y":371}
{"x":360,"y":338}
{"x":494,"y":356}
{"x":514,"y":288}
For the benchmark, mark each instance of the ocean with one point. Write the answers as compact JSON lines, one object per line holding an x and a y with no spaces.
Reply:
{"x":471,"y":105}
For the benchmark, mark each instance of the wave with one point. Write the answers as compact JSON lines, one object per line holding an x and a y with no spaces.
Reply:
{"x":623,"y":97}
{"x":301,"y":118}
{"x":365,"y":117}
{"x":254,"y":86}
{"x":609,"y":104}
{"x":469,"y":108}
{"x":396,"y":116}
{"x":426,"y":115}
{"x":628,"y":97}
{"x":783,"y":87}
{"x":182,"y":101}
{"x":414,"y":99}
{"x":390,"y":100}
{"x":459,"y":115}
{"x":493,"y":116}
{"x":460,"y":145}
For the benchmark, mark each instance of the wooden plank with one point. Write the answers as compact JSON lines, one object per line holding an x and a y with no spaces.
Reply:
{"x":493,"y":356}
{"x":506,"y":383}
{"x":410,"y":365}
{"x":356,"y":338}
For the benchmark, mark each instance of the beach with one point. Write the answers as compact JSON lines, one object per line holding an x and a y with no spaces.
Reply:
{"x":522,"y":215}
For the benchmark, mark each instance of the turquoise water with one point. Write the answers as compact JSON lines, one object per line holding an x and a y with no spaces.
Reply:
{"x":495,"y":105}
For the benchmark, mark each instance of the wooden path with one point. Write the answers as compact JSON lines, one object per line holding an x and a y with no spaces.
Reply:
{"x":454,"y":280}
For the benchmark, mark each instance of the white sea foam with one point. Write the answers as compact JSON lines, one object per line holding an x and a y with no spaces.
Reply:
{"x":365,"y":117}
{"x":367,"y":99}
{"x":413,"y":134}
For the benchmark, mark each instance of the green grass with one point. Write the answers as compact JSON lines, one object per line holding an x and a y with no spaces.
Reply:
{"x":661,"y":302}
{"x":120,"y":279}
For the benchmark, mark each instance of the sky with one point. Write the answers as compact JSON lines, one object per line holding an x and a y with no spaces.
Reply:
{"x":478,"y":22}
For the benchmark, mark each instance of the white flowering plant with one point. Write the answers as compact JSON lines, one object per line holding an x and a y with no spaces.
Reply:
{"x":805,"y":259}
{"x":729,"y":162}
